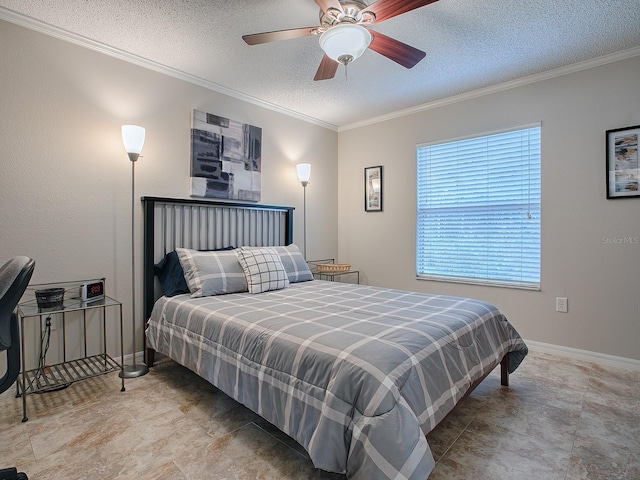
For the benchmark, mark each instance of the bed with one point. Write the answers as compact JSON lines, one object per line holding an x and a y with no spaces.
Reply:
{"x":356,"y":374}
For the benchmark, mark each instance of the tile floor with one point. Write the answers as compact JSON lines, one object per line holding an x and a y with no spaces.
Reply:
{"x":559,"y":419}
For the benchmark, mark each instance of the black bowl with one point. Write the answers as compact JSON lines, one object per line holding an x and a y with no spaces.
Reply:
{"x":50,"y":297}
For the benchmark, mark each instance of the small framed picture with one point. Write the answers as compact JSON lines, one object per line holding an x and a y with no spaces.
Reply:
{"x":373,"y":189}
{"x":622,"y":162}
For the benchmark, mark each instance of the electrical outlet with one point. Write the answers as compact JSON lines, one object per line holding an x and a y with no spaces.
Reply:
{"x":51,"y":321}
{"x":562,"y":304}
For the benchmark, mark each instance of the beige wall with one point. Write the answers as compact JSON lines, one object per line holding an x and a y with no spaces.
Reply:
{"x":600,"y":279}
{"x":65,"y":182}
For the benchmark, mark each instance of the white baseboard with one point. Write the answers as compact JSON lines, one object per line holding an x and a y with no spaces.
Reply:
{"x":585,"y":355}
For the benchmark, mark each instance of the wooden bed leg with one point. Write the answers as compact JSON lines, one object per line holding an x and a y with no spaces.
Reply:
{"x":149,"y":357}
{"x":149,"y":353}
{"x":504,"y":370}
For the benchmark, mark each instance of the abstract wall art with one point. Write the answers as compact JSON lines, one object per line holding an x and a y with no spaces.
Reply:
{"x":623,"y":170}
{"x":373,"y":189}
{"x":225,"y":158}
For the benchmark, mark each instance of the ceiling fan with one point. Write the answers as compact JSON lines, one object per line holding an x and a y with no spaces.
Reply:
{"x":345,"y":34}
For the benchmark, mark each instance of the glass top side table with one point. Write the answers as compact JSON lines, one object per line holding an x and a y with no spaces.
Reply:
{"x":47,"y":378}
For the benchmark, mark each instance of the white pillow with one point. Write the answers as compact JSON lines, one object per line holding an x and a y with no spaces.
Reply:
{"x":211,"y":273}
{"x":263,"y":269}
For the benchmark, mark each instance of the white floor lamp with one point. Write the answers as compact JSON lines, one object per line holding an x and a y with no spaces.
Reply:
{"x":304,"y":173}
{"x":133,"y":139}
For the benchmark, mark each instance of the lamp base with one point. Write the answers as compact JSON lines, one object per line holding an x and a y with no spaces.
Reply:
{"x":133,"y":371}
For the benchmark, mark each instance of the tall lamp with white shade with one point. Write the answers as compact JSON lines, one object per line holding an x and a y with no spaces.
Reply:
{"x":304,"y":173}
{"x":133,"y":139}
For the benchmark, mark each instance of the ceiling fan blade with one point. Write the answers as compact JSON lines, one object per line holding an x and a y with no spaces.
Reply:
{"x":395,"y":50}
{"x":327,"y":69}
{"x":266,"y":37}
{"x":326,"y":4}
{"x":386,"y":9}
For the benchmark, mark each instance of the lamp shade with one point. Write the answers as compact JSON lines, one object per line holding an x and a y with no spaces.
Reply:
{"x":345,"y":42}
{"x":304,"y":173}
{"x":133,"y":139}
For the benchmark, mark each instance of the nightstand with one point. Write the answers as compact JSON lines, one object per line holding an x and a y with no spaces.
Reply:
{"x":45,"y":377}
{"x":348,"y":277}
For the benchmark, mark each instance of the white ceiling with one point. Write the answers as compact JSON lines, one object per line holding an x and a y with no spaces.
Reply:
{"x":470,"y":45}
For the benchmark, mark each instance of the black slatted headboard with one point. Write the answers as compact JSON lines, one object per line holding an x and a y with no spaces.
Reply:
{"x":205,"y":225}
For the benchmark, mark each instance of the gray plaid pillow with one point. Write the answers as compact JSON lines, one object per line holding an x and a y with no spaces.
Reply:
{"x":211,"y":273}
{"x":263,"y":269}
{"x":294,"y":263}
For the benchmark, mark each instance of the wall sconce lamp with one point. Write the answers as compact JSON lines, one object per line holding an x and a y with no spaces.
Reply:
{"x":133,"y":139}
{"x":304,"y":173}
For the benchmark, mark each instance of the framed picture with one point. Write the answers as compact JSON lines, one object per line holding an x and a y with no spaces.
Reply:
{"x":373,"y":189}
{"x":622,"y":162}
{"x":226,"y":158}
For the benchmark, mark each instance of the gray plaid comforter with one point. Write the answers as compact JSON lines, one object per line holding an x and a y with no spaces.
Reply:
{"x":356,"y":374}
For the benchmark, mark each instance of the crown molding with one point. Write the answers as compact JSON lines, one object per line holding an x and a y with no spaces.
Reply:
{"x":62,"y":34}
{"x":536,"y":77}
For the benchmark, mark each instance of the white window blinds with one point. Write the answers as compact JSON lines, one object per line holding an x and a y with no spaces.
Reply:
{"x":478,"y":210}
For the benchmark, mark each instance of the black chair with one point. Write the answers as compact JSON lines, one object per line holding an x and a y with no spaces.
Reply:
{"x":12,"y":474}
{"x":14,"y":278}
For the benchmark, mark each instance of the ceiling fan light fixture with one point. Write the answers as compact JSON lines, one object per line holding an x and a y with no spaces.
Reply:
{"x":345,"y":42}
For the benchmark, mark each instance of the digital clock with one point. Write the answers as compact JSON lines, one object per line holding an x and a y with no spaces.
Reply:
{"x":92,"y":291}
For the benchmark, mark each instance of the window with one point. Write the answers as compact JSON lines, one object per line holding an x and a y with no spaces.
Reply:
{"x":478,"y":210}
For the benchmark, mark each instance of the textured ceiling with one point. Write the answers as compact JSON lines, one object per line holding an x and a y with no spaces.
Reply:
{"x":470,"y":44}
